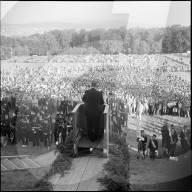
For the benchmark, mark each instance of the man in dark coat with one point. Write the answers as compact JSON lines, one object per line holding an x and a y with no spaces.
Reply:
{"x":185,"y":144}
{"x":173,"y":141}
{"x":93,"y":110}
{"x":153,"y":147}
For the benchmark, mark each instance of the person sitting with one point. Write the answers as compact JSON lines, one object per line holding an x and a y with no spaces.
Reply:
{"x":153,"y":147}
{"x":93,"y":110}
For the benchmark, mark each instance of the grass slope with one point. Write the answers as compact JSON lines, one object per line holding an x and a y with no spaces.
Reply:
{"x":161,"y":174}
{"x":21,"y":180}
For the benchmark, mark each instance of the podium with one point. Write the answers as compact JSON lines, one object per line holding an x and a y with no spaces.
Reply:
{"x":80,"y":134}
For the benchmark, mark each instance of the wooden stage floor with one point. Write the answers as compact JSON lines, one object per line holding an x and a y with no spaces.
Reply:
{"x":86,"y":143}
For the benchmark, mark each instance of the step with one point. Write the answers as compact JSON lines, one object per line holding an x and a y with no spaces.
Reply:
{"x":30,"y":163}
{"x":3,"y":168}
{"x":84,"y":142}
{"x":8,"y":164}
{"x":17,"y":156}
{"x":19,"y":163}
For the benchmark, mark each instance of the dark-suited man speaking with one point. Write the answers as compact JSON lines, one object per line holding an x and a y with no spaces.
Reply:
{"x":93,"y":110}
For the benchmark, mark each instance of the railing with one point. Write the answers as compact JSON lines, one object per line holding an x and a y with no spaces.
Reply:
{"x":76,"y":129}
{"x":106,"y":131}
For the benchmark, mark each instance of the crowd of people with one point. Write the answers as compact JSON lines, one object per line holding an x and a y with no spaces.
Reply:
{"x":41,"y":92}
{"x":35,"y":120}
{"x":96,"y":58}
{"x":182,"y":57}
{"x":172,"y":64}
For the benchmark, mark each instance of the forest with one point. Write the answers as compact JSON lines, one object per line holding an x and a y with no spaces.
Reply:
{"x":173,"y":39}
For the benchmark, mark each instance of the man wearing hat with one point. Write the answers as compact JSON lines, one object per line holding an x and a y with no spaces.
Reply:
{"x":93,"y":110}
{"x":153,"y":147}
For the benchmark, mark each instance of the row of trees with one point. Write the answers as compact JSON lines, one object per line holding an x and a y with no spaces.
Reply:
{"x":112,"y":41}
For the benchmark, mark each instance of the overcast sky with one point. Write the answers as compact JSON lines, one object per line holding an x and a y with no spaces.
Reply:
{"x":159,"y":13}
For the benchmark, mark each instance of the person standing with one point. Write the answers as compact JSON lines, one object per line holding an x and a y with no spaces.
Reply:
{"x":142,"y":142}
{"x":134,"y":105}
{"x":173,"y":141}
{"x":25,"y":134}
{"x":179,"y":108}
{"x":46,"y":132}
{"x":164,"y":112}
{"x":165,"y":137}
{"x":93,"y":110}
{"x":126,"y":115}
{"x":122,"y":112}
{"x":129,"y":104}
{"x":153,"y":147}
{"x":185,"y":144}
{"x":35,"y":133}
{"x":5,"y":125}
{"x":13,"y":129}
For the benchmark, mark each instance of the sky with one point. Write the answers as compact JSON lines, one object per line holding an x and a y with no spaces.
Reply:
{"x":159,"y":13}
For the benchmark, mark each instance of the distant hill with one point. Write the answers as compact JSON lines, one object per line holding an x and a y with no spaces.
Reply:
{"x":32,"y":28}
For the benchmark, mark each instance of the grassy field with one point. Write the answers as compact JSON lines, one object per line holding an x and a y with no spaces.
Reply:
{"x":161,"y":174}
{"x":21,"y":180}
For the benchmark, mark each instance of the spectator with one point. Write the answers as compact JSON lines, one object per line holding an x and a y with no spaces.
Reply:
{"x":173,"y":142}
{"x":185,"y":144}
{"x":142,"y":141}
{"x":153,"y":147}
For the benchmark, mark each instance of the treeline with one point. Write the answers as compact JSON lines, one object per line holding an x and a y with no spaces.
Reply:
{"x":173,"y":39}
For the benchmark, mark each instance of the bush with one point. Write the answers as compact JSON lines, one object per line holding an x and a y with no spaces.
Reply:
{"x":117,"y":168}
{"x":61,"y":164}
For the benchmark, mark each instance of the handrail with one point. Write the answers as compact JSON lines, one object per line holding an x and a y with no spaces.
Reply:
{"x":16,"y":156}
{"x":76,"y":107}
{"x":106,"y":109}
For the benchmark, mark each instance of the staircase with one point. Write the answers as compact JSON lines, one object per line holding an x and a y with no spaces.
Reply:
{"x":17,"y":162}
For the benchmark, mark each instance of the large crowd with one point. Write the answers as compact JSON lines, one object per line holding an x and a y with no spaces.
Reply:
{"x":36,"y":102}
{"x":95,"y":58}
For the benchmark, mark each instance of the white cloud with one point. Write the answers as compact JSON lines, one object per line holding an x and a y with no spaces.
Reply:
{"x":147,"y":12}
